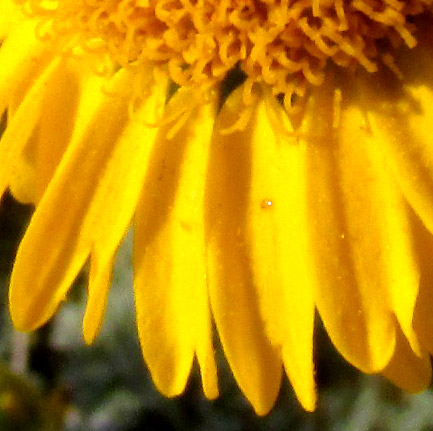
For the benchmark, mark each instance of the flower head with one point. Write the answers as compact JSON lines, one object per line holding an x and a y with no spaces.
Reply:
{"x":274,"y":155}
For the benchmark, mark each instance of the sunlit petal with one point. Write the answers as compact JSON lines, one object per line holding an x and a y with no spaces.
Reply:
{"x":22,"y":125}
{"x":72,"y":217}
{"x":234,"y":297}
{"x":281,"y":265}
{"x":174,"y":322}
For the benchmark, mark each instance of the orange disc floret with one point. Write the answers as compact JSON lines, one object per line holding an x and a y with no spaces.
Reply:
{"x":284,"y":43}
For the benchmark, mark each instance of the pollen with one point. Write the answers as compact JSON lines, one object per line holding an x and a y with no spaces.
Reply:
{"x":287,"y":44}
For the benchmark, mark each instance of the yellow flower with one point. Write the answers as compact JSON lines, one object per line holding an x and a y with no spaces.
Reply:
{"x":275,"y":156}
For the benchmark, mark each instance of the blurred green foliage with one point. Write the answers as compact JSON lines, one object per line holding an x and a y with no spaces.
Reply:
{"x":51,"y":380}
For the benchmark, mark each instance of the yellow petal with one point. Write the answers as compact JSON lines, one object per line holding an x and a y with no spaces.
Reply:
{"x":389,"y":226}
{"x":234,"y":298}
{"x":173,"y":315}
{"x":10,"y":16}
{"x":57,"y":123}
{"x":351,"y":202}
{"x":116,"y":199}
{"x":20,"y":127}
{"x":35,"y":166}
{"x":87,"y":206}
{"x":23,"y":58}
{"x":22,"y":177}
{"x":422,"y":319}
{"x":407,"y":370}
{"x":277,"y":233}
{"x":99,"y":283}
{"x":402,"y":116}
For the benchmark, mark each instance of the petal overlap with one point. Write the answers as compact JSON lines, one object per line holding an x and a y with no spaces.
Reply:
{"x":170,"y":281}
{"x":359,"y":225}
{"x":233,"y":296}
{"x":277,"y":242}
{"x":71,"y":217}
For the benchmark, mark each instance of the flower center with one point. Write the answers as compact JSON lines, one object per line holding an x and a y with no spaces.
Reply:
{"x":284,"y":43}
